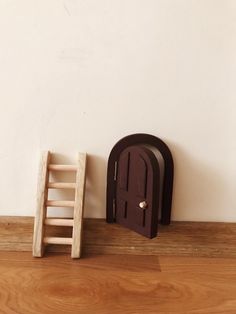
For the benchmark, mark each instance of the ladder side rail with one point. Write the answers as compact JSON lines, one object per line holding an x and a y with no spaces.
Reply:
{"x":42,"y":195}
{"x":79,"y":206}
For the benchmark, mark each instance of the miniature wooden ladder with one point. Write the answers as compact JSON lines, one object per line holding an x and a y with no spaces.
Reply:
{"x":41,"y":220}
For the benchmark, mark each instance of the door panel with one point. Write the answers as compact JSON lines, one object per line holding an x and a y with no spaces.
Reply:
{"x":123,"y":174}
{"x":122,"y":212}
{"x":139,"y":216}
{"x":140,"y":174}
{"x":136,"y":204}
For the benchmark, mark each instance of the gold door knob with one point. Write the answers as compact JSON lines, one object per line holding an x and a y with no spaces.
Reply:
{"x":143,"y":204}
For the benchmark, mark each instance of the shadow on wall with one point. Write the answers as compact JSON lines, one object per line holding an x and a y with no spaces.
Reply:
{"x":199,"y":189}
{"x":95,"y":196}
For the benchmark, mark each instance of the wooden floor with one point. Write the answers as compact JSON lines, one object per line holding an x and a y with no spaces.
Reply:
{"x":196,"y":239}
{"x":116,"y":284}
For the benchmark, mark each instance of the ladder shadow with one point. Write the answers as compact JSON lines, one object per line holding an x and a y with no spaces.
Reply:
{"x":95,"y":195}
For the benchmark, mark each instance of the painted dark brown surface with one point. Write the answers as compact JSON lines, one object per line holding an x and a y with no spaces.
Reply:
{"x":119,"y":158}
{"x":137,"y":179}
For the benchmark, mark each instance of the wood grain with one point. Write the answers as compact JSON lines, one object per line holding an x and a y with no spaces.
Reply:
{"x":57,"y":240}
{"x":59,"y":222}
{"x":179,"y":239}
{"x":116,"y":284}
{"x":55,"y":203}
{"x":39,"y":238}
{"x":79,"y":207}
{"x":41,"y":211}
{"x":61,"y":185}
{"x":53,"y":167}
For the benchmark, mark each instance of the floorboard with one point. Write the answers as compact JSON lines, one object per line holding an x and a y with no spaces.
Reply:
{"x":100,"y":284}
{"x":196,"y":239}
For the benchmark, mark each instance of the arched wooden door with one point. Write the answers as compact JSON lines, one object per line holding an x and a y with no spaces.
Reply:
{"x":119,"y":210}
{"x":138,"y":190}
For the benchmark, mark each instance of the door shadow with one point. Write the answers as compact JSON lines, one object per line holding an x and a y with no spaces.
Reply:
{"x":199,"y":188}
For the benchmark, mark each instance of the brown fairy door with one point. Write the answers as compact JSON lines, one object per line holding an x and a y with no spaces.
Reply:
{"x":137,"y":193}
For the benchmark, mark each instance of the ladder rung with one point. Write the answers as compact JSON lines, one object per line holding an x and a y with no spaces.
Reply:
{"x":58,"y":222}
{"x":60,"y":203}
{"x":57,"y":240}
{"x":61,"y":185}
{"x":62,"y":167}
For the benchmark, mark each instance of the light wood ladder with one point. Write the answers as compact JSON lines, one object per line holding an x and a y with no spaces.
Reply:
{"x":41,"y":220}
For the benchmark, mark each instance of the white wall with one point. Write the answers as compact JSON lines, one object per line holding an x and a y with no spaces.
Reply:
{"x":79,"y":75}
